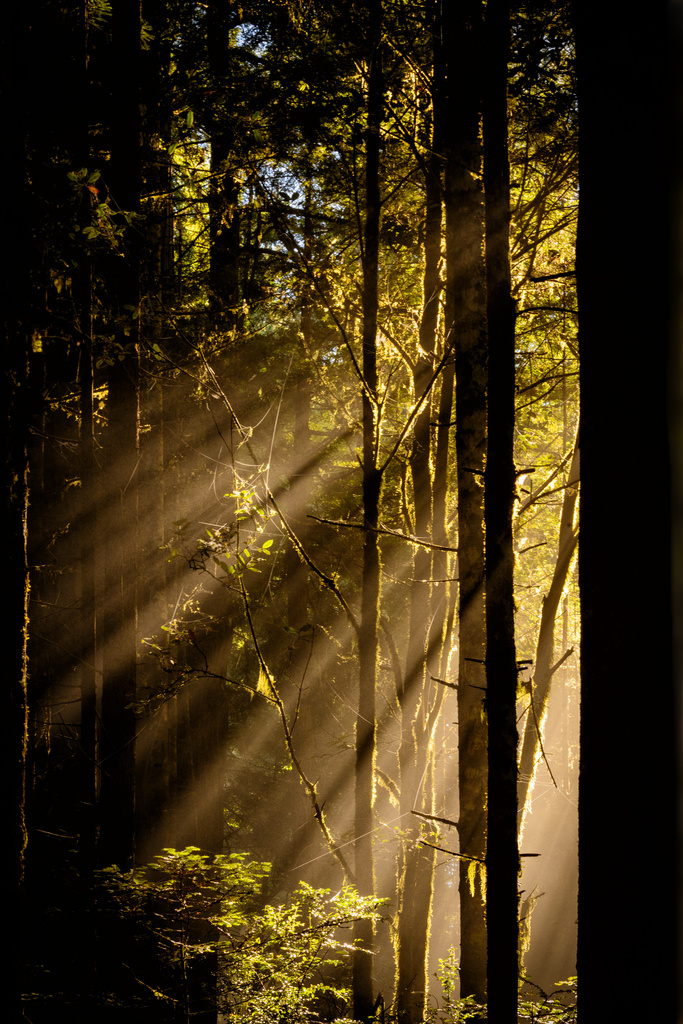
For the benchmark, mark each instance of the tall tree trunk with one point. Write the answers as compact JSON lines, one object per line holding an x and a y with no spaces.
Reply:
{"x":224,"y":212}
{"x":87,"y":639}
{"x":502,"y":858}
{"x":372,"y":484}
{"x":466,"y":329}
{"x":676,"y":406}
{"x":86,"y":502}
{"x":416,"y":861}
{"x":626,"y":629}
{"x":16,"y":326}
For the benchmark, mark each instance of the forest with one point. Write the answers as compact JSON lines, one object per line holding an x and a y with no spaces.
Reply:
{"x":328,"y":327}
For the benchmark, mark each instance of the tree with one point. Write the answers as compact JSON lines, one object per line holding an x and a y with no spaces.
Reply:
{"x":17,"y":328}
{"x":368,"y":634}
{"x":122,"y":452}
{"x":465,"y":315}
{"x":502,"y":859}
{"x":625,"y":622}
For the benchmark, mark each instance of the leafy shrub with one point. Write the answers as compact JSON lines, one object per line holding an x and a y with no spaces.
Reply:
{"x":557,"y":1008}
{"x":203,"y":939}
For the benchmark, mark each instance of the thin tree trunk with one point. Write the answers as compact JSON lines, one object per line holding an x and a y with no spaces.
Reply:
{"x":86,"y":498}
{"x":224,"y":211}
{"x":15,"y":404}
{"x":372,"y":483}
{"x":416,"y":861}
{"x":87,"y":537}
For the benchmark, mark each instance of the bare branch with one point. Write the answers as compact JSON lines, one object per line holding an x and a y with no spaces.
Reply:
{"x":387,"y":532}
{"x":329,"y":583}
{"x":444,"y":682}
{"x":462,"y":856}
{"x":435,"y":817}
{"x":275,"y":698}
{"x":553,"y":277}
{"x":567,"y":654}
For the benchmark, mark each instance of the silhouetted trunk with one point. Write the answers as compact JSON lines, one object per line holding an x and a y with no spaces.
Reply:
{"x":626,"y":638}
{"x":87,"y":536}
{"x":224,"y":209}
{"x":16,"y":326}
{"x":466,"y":329}
{"x":372,"y":484}
{"x":675,"y":113}
{"x":86,"y":496}
{"x":502,"y":859}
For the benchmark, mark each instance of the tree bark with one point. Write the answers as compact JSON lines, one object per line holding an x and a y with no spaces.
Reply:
{"x":363,"y":996}
{"x":502,"y":858}
{"x":224,"y":211}
{"x":466,"y":329}
{"x":415,"y":695}
{"x":626,"y":628}
{"x":16,"y":326}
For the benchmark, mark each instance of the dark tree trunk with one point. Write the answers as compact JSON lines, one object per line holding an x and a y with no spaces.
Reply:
{"x":224,"y":210}
{"x":86,"y":502}
{"x":502,"y":859}
{"x":466,"y":330}
{"x":16,"y":326}
{"x":363,"y":996}
{"x":88,"y":549}
{"x":626,"y":629}
{"x":675,"y":118}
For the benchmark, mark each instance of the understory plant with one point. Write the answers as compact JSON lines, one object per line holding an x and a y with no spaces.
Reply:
{"x":203,"y":939}
{"x":558,"y":1007}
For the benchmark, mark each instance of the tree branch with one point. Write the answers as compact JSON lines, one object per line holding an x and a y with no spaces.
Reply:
{"x":275,"y":698}
{"x":384,"y":530}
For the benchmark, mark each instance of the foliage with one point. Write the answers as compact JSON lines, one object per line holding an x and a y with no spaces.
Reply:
{"x":274,"y":962}
{"x":558,"y":1007}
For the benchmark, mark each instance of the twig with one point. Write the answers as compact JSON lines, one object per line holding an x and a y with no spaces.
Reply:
{"x":567,"y":654}
{"x":435,"y":817}
{"x":540,"y":740}
{"x":275,"y":698}
{"x":463,"y":856}
{"x":554,"y":277}
{"x":325,"y":579}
